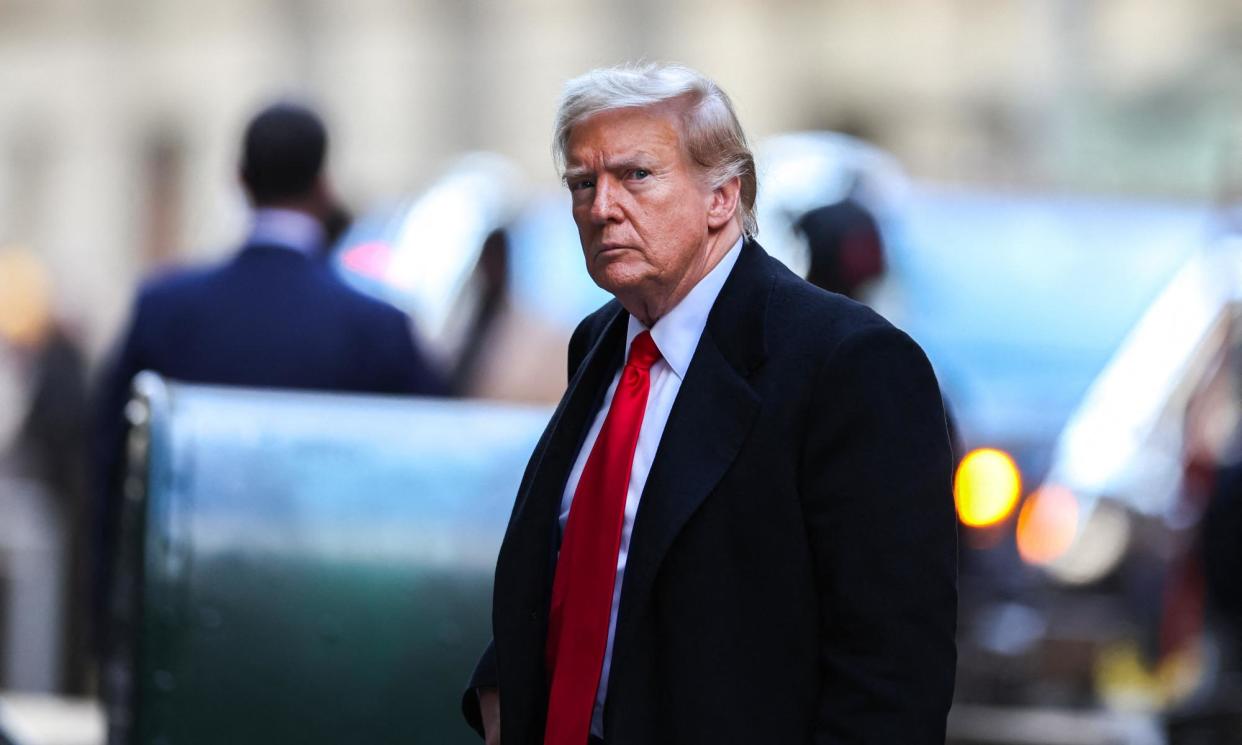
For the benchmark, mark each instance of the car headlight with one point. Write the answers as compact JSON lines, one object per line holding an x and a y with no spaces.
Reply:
{"x":986,"y":488}
{"x":1047,"y":524}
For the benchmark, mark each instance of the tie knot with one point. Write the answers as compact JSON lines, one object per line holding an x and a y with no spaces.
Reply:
{"x":643,"y":351}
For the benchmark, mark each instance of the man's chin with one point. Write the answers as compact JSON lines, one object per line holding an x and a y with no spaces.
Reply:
{"x":620,"y":277}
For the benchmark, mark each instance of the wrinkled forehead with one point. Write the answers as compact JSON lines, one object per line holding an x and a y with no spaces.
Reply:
{"x":657,"y":131}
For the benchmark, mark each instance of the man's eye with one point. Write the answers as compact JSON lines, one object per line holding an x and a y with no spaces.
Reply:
{"x":581,"y":184}
{"x":640,"y":173}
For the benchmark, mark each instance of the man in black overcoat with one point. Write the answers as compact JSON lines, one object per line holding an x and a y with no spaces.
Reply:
{"x":738,"y":526}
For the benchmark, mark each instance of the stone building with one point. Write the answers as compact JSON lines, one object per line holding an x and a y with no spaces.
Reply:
{"x":119,"y":118}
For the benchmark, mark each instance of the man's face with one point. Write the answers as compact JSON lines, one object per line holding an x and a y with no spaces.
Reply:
{"x":640,"y":205}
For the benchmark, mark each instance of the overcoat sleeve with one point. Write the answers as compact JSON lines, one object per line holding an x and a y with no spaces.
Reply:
{"x":484,"y":676}
{"x":877,"y":498}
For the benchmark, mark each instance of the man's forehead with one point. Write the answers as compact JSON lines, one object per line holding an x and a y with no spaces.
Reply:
{"x":624,"y":133}
{"x":616,"y":156}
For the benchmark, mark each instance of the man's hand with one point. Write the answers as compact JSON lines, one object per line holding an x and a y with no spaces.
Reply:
{"x":489,"y":707}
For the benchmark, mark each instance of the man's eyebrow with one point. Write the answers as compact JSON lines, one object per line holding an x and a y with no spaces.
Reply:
{"x":636,"y":159}
{"x":631,"y":159}
{"x":576,"y":172}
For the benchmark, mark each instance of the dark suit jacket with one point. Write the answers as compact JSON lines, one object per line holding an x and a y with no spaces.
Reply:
{"x":792,"y":571}
{"x":268,"y":317}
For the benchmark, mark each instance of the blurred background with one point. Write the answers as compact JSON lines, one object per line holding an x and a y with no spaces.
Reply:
{"x":1051,"y":194}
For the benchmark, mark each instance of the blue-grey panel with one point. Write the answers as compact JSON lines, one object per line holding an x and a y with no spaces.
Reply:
{"x":317,"y":567}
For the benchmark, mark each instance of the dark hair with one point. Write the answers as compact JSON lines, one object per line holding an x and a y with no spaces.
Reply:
{"x":283,"y":152}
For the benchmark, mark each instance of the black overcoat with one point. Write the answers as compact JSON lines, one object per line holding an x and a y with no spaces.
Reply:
{"x":792,"y":570}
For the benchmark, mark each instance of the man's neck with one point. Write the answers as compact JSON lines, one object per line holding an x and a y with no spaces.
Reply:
{"x":289,"y":228}
{"x":649,"y":310}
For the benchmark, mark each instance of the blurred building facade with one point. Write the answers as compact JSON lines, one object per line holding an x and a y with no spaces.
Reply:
{"x":119,"y":119}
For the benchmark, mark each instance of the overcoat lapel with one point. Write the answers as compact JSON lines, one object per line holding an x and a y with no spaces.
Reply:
{"x":714,"y":411}
{"x":525,"y":569}
{"x":572,"y":418}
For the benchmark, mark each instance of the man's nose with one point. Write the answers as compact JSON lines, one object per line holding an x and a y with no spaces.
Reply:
{"x":604,"y":207}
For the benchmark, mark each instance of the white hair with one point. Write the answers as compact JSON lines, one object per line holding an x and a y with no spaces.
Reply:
{"x":711,"y":132}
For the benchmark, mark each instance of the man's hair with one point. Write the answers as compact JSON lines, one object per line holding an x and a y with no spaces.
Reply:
{"x":282,"y":153}
{"x":711,"y":132}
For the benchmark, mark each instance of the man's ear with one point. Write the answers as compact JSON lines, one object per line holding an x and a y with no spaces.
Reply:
{"x":722,"y":206}
{"x":323,"y":198}
{"x":244,"y":186}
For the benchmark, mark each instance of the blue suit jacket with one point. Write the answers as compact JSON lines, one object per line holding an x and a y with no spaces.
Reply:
{"x":269,"y":317}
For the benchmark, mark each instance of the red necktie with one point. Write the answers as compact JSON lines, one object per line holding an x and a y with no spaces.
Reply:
{"x":587,"y":567}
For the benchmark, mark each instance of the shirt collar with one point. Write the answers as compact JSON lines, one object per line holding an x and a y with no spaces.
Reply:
{"x":677,"y":333}
{"x":290,"y":229}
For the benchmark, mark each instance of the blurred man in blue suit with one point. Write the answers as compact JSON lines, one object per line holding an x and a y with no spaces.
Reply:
{"x":273,"y":315}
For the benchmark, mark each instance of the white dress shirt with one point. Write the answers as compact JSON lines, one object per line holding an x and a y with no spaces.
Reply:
{"x":677,"y":336}
{"x":290,"y":229}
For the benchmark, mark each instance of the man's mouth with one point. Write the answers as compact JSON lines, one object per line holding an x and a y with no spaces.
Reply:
{"x":609,"y":252}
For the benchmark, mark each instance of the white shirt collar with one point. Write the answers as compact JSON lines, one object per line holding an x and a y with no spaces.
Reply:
{"x":287,"y":229}
{"x":677,"y":333}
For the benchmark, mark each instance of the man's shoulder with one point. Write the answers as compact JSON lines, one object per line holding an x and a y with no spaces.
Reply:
{"x":799,"y":306}
{"x":589,"y":331}
{"x":797,"y":301}
{"x":804,"y":320}
{"x":232,"y":279}
{"x":376,"y":312}
{"x":172,"y":285}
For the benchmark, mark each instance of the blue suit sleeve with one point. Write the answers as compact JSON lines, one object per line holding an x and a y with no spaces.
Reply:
{"x":405,"y":367}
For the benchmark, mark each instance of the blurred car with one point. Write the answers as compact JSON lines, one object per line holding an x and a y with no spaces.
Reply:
{"x":1071,"y":334}
{"x":1083,"y":345}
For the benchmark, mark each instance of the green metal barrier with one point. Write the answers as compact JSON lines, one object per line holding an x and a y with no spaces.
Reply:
{"x":308,"y":568}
